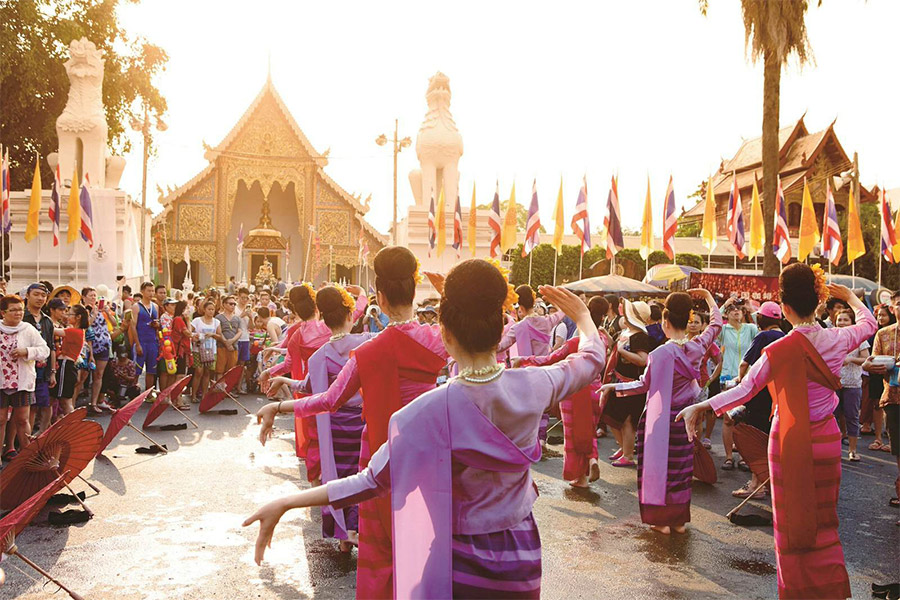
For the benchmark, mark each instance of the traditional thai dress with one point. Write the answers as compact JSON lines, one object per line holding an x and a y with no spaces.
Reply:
{"x":390,"y":370}
{"x":301,"y":340}
{"x":457,"y":467}
{"x":801,"y":370}
{"x":531,"y":337}
{"x":340,"y":432}
{"x":580,"y":415}
{"x":665,"y":456}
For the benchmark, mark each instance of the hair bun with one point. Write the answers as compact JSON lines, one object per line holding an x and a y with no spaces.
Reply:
{"x":476,"y":287}
{"x":328,"y":299}
{"x":395,"y":263}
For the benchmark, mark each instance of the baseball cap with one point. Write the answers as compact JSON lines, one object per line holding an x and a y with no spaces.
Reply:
{"x":37,"y":286}
{"x":770,"y":309}
{"x":170,"y":301}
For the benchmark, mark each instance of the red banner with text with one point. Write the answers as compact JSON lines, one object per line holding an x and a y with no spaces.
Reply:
{"x":749,"y":287}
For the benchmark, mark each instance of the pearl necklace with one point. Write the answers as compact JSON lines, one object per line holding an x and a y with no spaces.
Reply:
{"x":396,"y":323}
{"x":811,"y":323}
{"x":338,"y":336}
{"x":681,"y":342}
{"x":482,"y":375}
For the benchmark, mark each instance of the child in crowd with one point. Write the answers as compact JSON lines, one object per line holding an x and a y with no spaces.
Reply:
{"x":126,"y":376}
{"x":850,"y":394}
{"x":74,"y":358}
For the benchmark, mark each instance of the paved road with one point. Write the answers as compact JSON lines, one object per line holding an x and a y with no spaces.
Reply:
{"x":168,"y":527}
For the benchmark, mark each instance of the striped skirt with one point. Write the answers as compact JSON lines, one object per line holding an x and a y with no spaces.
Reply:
{"x":503,"y":564}
{"x":375,"y":560}
{"x":346,"y":435}
{"x":677,"y":510}
{"x":575,"y":464}
{"x":817,"y":572}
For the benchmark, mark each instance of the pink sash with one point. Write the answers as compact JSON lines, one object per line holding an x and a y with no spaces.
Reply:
{"x":661,"y":367}
{"x":422,"y":484}
{"x":526,"y":335}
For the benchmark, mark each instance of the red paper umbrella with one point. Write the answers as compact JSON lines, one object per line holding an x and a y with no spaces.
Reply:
{"x":704,"y":468}
{"x":12,"y":525}
{"x":67,"y":447}
{"x":751,"y":444}
{"x":164,"y":400}
{"x":222,"y":389}
{"x":121,"y":418}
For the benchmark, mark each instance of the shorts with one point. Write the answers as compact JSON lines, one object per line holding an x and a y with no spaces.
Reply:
{"x":244,"y":351}
{"x":892,"y":424}
{"x":66,"y":378}
{"x":849,"y":405}
{"x":198,"y":364}
{"x":181,"y":365}
{"x":42,"y":394}
{"x":16,"y":399}
{"x":225,"y":359}
{"x":104,"y":356}
{"x":619,"y":408}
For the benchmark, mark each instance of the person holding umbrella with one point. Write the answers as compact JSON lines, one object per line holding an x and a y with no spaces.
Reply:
{"x":20,"y":346}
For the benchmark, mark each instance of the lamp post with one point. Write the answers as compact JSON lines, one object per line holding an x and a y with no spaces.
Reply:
{"x":399,"y":145}
{"x":144,"y":129}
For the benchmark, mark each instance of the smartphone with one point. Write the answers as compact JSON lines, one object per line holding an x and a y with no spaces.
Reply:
{"x":102,"y":303}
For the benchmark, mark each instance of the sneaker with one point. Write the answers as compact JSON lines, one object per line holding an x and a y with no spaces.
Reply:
{"x":706,"y":443}
{"x":853,"y":456}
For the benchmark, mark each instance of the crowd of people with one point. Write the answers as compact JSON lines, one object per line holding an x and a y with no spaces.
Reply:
{"x":417,"y":423}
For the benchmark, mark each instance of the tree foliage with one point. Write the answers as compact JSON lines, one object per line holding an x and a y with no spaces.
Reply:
{"x":34,"y":86}
{"x":521,"y":214}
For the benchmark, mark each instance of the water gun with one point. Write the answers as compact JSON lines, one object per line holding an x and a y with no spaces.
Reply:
{"x":167,"y":350}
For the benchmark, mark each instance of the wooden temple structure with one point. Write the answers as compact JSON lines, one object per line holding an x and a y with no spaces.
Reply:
{"x":265,"y":183}
{"x":814,"y":157}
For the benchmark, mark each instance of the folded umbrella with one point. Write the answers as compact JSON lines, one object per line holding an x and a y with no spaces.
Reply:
{"x":704,"y":468}
{"x":222,"y":389}
{"x":164,"y":400}
{"x":79,"y":414}
{"x":752,"y":444}
{"x":67,"y":447}
{"x":12,"y":525}
{"x":121,"y":418}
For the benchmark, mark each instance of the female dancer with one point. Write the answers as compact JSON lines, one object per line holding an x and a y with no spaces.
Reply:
{"x":340,"y":433}
{"x":805,"y":443}
{"x":390,"y":370}
{"x":299,"y":343}
{"x":458,"y":458}
{"x":665,"y":454}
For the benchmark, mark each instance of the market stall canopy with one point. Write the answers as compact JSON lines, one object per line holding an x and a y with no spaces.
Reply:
{"x":665,"y":275}
{"x":613,"y":284}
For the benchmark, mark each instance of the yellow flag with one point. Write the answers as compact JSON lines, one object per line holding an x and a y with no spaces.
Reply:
{"x":34,"y":207}
{"x":809,"y":230}
{"x":510,"y":223}
{"x":473,"y":223}
{"x":709,"y":233}
{"x":558,"y":222}
{"x":647,"y":225}
{"x":856,"y":247}
{"x":440,"y":223}
{"x":74,"y":211}
{"x":757,"y":232}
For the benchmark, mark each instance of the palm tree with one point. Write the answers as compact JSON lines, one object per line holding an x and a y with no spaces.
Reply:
{"x":773,"y":31}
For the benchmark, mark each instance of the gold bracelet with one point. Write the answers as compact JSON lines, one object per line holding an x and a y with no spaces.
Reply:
{"x":278,"y":410}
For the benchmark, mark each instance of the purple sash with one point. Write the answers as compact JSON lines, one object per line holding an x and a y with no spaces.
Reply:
{"x":526,"y":335}
{"x":661,"y":367}
{"x":422,"y":484}
{"x":330,"y":358}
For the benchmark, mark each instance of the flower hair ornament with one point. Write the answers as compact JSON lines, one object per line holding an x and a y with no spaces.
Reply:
{"x":512,"y":298}
{"x":346,"y":298}
{"x":417,"y":275}
{"x":821,"y":283}
{"x":310,"y":289}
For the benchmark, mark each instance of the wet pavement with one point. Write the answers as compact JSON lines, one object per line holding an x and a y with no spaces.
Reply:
{"x":168,"y":527}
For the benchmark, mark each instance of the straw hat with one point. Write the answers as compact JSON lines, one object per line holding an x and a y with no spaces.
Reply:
{"x":637,"y":314}
{"x":76,"y":295}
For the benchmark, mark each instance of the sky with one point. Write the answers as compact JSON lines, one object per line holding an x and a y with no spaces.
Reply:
{"x":541,"y":90}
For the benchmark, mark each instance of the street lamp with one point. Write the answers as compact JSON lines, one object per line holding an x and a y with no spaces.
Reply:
{"x":144,"y":129}
{"x":399,"y":145}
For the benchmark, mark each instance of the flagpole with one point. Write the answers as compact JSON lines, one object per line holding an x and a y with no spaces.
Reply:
{"x":530,"y":262}
{"x":39,"y":252}
{"x":555,"y":258}
{"x":312,"y":229}
{"x":581,"y":263}
{"x":168,"y":265}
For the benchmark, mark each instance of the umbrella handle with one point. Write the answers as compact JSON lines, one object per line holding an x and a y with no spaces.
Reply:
{"x":552,"y":427}
{"x":185,"y":416}
{"x":747,"y":499}
{"x":150,"y":439}
{"x":46,"y":574}
{"x":238,"y":403}
{"x":89,"y":484}
{"x":80,"y":501}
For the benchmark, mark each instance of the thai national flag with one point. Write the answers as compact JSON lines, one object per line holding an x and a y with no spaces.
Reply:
{"x":54,"y":206}
{"x":832,"y":246}
{"x":782,"y":242}
{"x":5,"y":219}
{"x":613,"y":222}
{"x":87,"y":218}
{"x":533,"y":227}
{"x":888,"y":235}
{"x":457,"y":227}
{"x":432,"y":232}
{"x":670,"y":222}
{"x":494,"y":221}
{"x":736,"y":218}
{"x":581,"y":221}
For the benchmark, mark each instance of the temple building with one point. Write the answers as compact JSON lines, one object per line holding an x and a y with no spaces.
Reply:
{"x":814,"y":157}
{"x":265,"y":184}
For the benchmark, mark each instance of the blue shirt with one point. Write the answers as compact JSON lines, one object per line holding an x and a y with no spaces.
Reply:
{"x":734,"y":344}
{"x":383,"y":319}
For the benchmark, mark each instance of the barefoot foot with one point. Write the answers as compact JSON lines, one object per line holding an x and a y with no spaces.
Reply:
{"x":679,"y":529}
{"x":663,"y":529}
